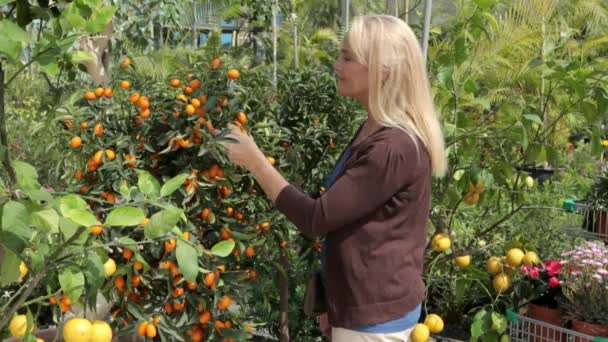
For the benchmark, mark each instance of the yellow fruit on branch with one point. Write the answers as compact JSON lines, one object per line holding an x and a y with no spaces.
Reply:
{"x":100,"y":332}
{"x":434,"y":323}
{"x":530,"y":258}
{"x":77,"y":330}
{"x":501,"y":282}
{"x":471,"y":197}
{"x":22,"y":270}
{"x":420,"y":333}
{"x":494,"y":265}
{"x":463,"y":261}
{"x":441,"y":243}
{"x":109,"y":267}
{"x":514,"y":257}
{"x":18,"y":326}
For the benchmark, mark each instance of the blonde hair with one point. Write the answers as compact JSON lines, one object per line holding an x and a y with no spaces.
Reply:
{"x":399,"y":90}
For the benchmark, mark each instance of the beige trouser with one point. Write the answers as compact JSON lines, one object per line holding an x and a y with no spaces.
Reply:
{"x":346,"y":335}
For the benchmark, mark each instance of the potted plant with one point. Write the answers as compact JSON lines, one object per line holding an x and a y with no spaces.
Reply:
{"x":596,"y":217}
{"x":584,"y":280}
{"x":539,"y":290}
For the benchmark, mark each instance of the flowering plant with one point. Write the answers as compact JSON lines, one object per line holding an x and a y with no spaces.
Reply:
{"x":585,"y":283}
{"x":598,"y":196}
{"x":539,"y":284}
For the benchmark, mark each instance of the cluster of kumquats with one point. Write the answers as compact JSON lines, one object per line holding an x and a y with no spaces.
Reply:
{"x":167,"y":130}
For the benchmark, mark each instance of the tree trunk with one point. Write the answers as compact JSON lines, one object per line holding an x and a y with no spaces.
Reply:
{"x":428,"y":7}
{"x":6,"y":160}
{"x":295,"y":43}
{"x":274,"y":43}
{"x":284,"y":299}
{"x":345,"y":13}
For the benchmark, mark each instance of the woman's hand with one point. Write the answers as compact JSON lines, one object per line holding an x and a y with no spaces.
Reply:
{"x":244,"y":152}
{"x":324,"y":325}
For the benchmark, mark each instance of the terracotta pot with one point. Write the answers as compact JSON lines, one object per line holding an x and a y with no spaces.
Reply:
{"x":600,"y":226}
{"x":543,"y":333}
{"x":596,"y":330}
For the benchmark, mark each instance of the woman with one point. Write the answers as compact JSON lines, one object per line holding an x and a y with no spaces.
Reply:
{"x":375,"y":211}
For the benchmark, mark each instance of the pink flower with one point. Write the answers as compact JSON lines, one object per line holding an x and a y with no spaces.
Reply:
{"x":553,"y":282}
{"x":524,"y":270}
{"x":553,"y":267}
{"x":534,"y":273}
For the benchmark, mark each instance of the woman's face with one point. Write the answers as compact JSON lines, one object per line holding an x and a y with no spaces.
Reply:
{"x":352,"y":76}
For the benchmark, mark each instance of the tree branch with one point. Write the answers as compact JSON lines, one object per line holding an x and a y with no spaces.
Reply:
{"x":6,"y":160}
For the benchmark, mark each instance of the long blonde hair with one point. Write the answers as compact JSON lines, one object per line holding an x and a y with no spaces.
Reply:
{"x":399,"y":90}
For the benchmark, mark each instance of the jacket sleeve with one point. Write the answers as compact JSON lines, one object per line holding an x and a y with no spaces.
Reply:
{"x":365,"y":186}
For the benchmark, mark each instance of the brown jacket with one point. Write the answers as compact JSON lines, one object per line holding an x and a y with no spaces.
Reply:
{"x":374,"y":217}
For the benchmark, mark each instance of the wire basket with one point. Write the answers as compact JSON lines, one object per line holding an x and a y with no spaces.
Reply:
{"x":526,"y":329}
{"x":590,"y":222}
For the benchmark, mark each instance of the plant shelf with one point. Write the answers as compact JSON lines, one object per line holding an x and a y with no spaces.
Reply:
{"x":526,"y":329}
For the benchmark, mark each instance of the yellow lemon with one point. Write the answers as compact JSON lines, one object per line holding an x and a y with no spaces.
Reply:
{"x":441,"y":244}
{"x":463,"y":261}
{"x":501,"y":282}
{"x":514,"y":257}
{"x":529,"y":182}
{"x":530,"y":258}
{"x":493,"y":265}
{"x":77,"y":330}
{"x":100,"y":332}
{"x":434,"y":322}
{"x":438,"y":236}
{"x":18,"y":326}
{"x":23,"y":270}
{"x":420,"y":333}
{"x":109,"y":267}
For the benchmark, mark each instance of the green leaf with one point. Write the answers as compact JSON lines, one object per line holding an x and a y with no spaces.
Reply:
{"x":72,"y":282}
{"x":490,"y":336}
{"x":82,"y":217}
{"x":93,"y":4}
{"x":12,"y":31}
{"x":173,"y":184}
{"x":100,"y":19}
{"x":76,"y":20}
{"x":39,"y":195}
{"x":69,"y":228}
{"x":47,"y":219}
{"x":10,"y":268}
{"x":235,"y":334}
{"x":477,"y":329}
{"x":94,"y":273}
{"x":81,"y":56}
{"x":16,"y":219}
{"x":223,"y":248}
{"x":485,"y":4}
{"x":71,"y":202}
{"x":12,"y":241}
{"x":162,"y":222}
{"x":51,"y":69}
{"x":499,"y":322}
{"x":187,"y":260}
{"x":27,"y":177}
{"x":462,"y":284}
{"x":10,"y":49}
{"x":148,"y":185}
{"x":125,"y":216}
{"x":534,"y":118}
{"x":5,"y":2}
{"x":241,"y":236}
